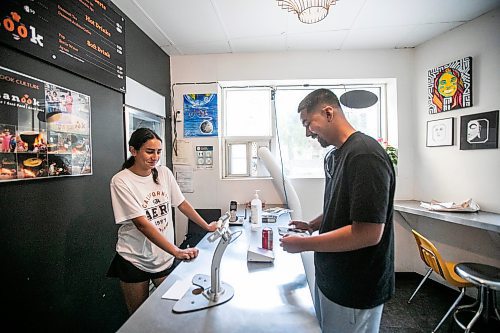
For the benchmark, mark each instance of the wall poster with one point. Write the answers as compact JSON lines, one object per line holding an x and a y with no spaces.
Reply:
{"x":449,"y":87}
{"x":479,"y":131}
{"x":200,"y":115}
{"x":44,"y":129}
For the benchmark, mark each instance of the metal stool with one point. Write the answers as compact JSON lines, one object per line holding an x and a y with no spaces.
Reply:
{"x":487,"y":279}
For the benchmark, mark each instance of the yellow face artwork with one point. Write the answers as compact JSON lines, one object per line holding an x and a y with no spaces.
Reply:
{"x":447,"y":84}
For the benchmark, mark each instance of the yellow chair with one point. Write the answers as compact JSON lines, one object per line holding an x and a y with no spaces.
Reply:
{"x":446,"y":269}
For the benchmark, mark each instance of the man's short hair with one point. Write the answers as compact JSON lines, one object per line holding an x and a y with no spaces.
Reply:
{"x":318,"y":96}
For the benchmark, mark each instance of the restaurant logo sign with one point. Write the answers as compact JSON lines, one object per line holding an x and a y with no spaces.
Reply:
{"x":12,"y":23}
{"x":25,"y":101}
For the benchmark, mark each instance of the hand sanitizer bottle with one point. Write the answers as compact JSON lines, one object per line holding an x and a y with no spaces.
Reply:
{"x":256,"y":211}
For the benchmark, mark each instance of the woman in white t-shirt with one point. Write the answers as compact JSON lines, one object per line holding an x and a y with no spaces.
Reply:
{"x":143,"y":197}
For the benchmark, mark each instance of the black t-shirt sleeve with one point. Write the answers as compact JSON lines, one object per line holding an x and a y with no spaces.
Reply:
{"x":370,"y":183}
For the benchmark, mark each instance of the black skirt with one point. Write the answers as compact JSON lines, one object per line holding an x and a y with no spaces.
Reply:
{"x":127,"y":272}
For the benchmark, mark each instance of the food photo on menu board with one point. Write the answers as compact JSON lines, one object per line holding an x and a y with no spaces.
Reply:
{"x":44,"y":129}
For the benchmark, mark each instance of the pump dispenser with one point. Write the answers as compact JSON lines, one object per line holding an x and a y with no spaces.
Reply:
{"x":256,"y":211}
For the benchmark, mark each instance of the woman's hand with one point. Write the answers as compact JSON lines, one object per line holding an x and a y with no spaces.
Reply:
{"x":186,"y":254}
{"x":212,"y":226}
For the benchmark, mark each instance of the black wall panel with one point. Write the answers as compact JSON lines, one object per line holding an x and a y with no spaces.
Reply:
{"x":57,"y":236}
{"x":150,"y":66}
{"x":146,"y":60}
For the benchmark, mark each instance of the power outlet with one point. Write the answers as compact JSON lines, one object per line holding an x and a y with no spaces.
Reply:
{"x":178,"y":114}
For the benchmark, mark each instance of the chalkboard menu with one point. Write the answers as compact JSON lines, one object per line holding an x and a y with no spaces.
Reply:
{"x":86,"y":37}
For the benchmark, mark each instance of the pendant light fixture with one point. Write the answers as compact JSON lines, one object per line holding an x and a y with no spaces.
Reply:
{"x":308,"y":11}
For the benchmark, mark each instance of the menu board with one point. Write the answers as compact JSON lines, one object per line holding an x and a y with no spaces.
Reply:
{"x":86,"y":37}
{"x":44,"y":129}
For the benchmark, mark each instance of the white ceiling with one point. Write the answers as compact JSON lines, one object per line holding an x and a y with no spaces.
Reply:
{"x":187,"y":27}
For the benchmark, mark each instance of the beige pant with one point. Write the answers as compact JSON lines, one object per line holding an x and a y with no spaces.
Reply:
{"x":335,"y":318}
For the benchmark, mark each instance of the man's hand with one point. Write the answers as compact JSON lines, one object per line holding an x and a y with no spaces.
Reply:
{"x":293,"y":243}
{"x":302,"y":225}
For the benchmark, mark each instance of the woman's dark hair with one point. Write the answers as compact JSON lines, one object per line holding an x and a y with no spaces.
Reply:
{"x":137,"y":139}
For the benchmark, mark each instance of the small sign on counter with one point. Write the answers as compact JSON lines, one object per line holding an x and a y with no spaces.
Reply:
{"x":177,"y":290}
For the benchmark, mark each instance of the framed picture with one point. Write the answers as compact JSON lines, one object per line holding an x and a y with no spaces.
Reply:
{"x":449,"y":87}
{"x":479,"y":131}
{"x":440,"y":132}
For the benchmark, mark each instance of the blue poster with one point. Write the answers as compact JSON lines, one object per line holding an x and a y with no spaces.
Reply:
{"x":200,"y":115}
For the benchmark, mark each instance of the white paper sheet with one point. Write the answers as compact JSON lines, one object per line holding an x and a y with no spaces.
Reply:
{"x":177,"y":290}
{"x":464,"y":206}
{"x":184,"y":153}
{"x":184,"y":176}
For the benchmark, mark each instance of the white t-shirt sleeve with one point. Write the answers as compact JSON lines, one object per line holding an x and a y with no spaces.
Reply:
{"x":125,"y":206}
{"x":176,"y":195}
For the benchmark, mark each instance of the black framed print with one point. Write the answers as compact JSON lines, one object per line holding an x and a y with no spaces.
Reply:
{"x":440,"y":132}
{"x":479,"y":131}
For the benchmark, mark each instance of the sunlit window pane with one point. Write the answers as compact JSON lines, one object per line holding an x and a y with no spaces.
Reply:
{"x":238,"y":159}
{"x":248,"y":112}
{"x":302,"y":156}
{"x":249,"y":116}
{"x":366,"y":120}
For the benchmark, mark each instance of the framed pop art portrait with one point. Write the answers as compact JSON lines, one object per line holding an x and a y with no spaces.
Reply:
{"x":479,"y":131}
{"x":440,"y":132}
{"x":449,"y":87}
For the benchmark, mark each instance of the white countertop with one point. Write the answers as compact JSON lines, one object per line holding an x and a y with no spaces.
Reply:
{"x":483,"y":220}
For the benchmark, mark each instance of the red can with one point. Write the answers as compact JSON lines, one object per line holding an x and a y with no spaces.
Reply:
{"x":267,"y":238}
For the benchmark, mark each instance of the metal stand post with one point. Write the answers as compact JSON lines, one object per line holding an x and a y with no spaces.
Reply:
{"x":215,"y":292}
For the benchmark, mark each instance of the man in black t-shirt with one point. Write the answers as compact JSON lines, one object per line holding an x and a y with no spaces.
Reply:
{"x":354,"y":249}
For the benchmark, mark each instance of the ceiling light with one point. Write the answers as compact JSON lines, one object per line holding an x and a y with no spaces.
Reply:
{"x":308,"y":11}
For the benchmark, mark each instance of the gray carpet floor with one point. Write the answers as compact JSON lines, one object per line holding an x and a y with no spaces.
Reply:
{"x":426,"y":309}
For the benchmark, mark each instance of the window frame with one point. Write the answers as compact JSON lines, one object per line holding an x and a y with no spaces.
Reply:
{"x":248,"y":141}
{"x":227,"y":163}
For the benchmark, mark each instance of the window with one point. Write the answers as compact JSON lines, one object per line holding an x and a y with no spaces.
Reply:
{"x":248,"y":112}
{"x":242,"y":159}
{"x":302,"y":156}
{"x":247,"y":127}
{"x":238,"y":156}
{"x":253,"y":119}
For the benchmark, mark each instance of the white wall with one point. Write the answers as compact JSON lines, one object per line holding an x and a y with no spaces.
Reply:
{"x":442,"y":173}
{"x":211,"y":191}
{"x":448,"y":173}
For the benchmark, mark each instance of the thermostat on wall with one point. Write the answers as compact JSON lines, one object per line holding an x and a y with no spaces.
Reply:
{"x":204,"y":157}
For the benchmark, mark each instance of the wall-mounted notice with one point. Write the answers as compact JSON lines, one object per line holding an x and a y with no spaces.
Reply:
{"x":44,"y":129}
{"x":184,"y":176}
{"x":85,"y":37}
{"x":182,"y":155}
